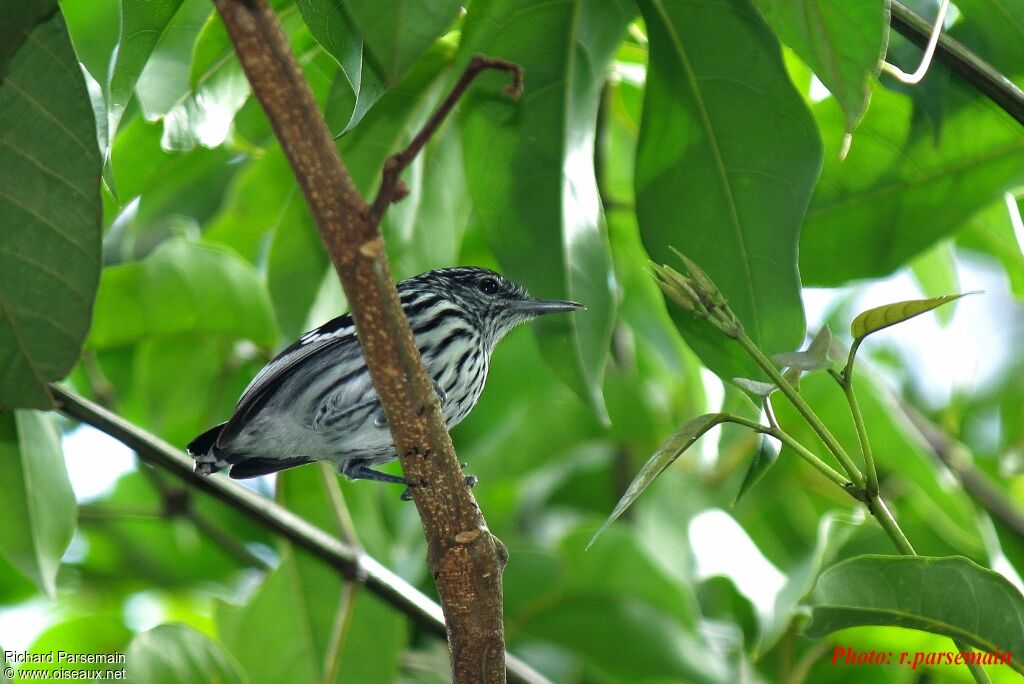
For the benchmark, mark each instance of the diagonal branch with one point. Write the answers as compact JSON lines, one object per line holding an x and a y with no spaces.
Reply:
{"x":353,"y":564}
{"x":464,"y":558}
{"x":985,"y":78}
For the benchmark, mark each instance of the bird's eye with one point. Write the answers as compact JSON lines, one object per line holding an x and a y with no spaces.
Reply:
{"x":488,"y":285}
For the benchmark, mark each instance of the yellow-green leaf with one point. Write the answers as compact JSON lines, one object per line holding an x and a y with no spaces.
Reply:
{"x":882,"y":317}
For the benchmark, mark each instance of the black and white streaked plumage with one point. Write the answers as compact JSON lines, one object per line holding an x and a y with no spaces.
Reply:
{"x":315,"y":401}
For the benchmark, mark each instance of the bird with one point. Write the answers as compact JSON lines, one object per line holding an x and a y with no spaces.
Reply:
{"x":315,"y":400}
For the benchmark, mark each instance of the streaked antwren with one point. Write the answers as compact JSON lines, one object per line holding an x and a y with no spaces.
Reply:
{"x":315,"y":401}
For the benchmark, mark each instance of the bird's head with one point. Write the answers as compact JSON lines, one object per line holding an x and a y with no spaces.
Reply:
{"x":492,"y":302}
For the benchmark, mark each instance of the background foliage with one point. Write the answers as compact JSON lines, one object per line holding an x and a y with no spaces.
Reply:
{"x":128,"y":137}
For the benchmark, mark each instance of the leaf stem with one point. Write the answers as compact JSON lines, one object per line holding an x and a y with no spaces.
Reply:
{"x":787,"y":439}
{"x":856,"y":477}
{"x":806,"y":454}
{"x":846,"y":382}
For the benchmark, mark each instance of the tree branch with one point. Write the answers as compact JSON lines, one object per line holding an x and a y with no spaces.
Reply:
{"x":956,"y":457}
{"x":354,"y":565}
{"x":985,"y":78}
{"x":464,"y":558}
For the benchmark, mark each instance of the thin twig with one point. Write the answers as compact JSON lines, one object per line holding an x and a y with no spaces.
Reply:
{"x":351,"y":563}
{"x":389,"y":191}
{"x":981,"y":75}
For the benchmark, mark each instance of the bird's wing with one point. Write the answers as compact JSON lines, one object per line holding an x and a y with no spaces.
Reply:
{"x":336,"y":332}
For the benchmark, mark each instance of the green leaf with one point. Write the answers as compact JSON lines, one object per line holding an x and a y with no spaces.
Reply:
{"x":842,"y":42}
{"x":282,"y":632}
{"x":726,"y":161}
{"x":990,"y":233}
{"x":178,"y":654}
{"x":882,"y":317}
{"x":935,"y":273}
{"x":426,"y":228}
{"x":530,"y":168}
{"x":395,"y":32}
{"x":50,"y":212}
{"x":815,"y":357}
{"x":627,"y":641}
{"x":332,"y":27}
{"x":992,"y":28}
{"x":667,"y":453}
{"x":20,"y":18}
{"x":184,"y":287}
{"x":36,"y":501}
{"x":904,"y":185}
{"x":143,"y":25}
{"x":264,"y":198}
{"x":143,"y":545}
{"x":951,"y":596}
{"x":764,"y":459}
{"x":834,"y":530}
{"x":97,"y":633}
{"x":164,"y":81}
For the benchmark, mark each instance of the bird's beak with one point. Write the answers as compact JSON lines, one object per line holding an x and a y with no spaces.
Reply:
{"x":539,"y":307}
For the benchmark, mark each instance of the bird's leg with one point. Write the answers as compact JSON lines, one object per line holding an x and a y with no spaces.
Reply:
{"x":380,"y":420}
{"x":359,"y":470}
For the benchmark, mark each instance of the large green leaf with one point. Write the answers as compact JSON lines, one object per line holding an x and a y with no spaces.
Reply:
{"x":285,"y":629}
{"x":163,"y":193}
{"x":184,"y":287}
{"x":50,"y":213}
{"x":990,"y":232}
{"x":143,"y":25}
{"x":19,"y":20}
{"x":330,"y":24}
{"x":178,"y":654}
{"x":131,"y":541}
{"x":951,"y":596}
{"x":834,"y":530}
{"x":264,"y":198}
{"x":395,"y":32}
{"x":36,"y":501}
{"x":164,"y":81}
{"x":992,"y":29}
{"x":530,"y":166}
{"x":904,"y":186}
{"x":727,"y":157}
{"x":842,"y":42}
{"x":95,"y":633}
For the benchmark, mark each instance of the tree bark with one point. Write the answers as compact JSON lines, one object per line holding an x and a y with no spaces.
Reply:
{"x":465,"y":560}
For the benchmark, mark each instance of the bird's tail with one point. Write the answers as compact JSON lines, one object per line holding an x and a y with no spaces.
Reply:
{"x":202,"y":450}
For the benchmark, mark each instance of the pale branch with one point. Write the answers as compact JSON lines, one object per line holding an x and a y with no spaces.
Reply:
{"x":956,"y":457}
{"x":353,"y":564}
{"x":465,"y":560}
{"x":978,"y":73}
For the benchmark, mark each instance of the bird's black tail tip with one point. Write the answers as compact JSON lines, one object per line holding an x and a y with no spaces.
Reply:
{"x":201,"y":448}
